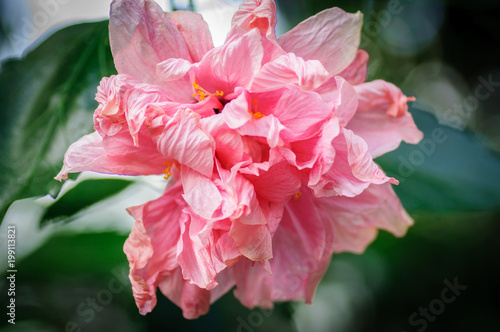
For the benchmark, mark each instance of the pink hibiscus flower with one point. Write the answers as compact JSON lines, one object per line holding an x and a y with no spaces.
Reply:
{"x":269,"y":143}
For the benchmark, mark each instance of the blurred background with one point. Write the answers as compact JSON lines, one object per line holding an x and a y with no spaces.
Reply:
{"x":72,"y":273}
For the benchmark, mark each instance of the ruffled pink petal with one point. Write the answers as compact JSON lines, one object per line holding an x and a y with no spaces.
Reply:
{"x":195,"y":32}
{"x":109,"y":117}
{"x":229,"y":146}
{"x":224,"y":251}
{"x":125,"y":103}
{"x":200,"y":192}
{"x":236,"y":112}
{"x":151,"y":246}
{"x":331,"y":36}
{"x":290,"y":69}
{"x":382,"y":118}
{"x":345,"y":100}
{"x":383,"y":96}
{"x":353,"y":169}
{"x":252,"y":229}
{"x":260,"y":14}
{"x":193,"y":300}
{"x":240,"y":200}
{"x":253,"y":241}
{"x":302,"y":245}
{"x":278,"y":184}
{"x":204,"y":108}
{"x":268,"y":127}
{"x":315,"y":153}
{"x":356,"y":219}
{"x":184,"y":140}
{"x":233,"y":65}
{"x":144,"y":104}
{"x":141,"y":36}
{"x":302,"y":113}
{"x":114,"y":155}
{"x":194,"y":254}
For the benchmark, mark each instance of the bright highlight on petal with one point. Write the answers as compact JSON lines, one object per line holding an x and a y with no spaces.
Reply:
{"x":267,"y":143}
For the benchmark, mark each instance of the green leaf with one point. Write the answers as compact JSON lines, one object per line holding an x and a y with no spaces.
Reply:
{"x":47,"y":103}
{"x":78,"y":253}
{"x":449,"y":170}
{"x":83,"y":195}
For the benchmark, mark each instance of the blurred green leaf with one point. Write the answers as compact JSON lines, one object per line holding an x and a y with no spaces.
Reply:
{"x":83,"y":195}
{"x":85,"y":253}
{"x":47,"y":103}
{"x":449,"y":170}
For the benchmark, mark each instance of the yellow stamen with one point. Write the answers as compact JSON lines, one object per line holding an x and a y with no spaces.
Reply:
{"x":202,"y":93}
{"x":256,"y":114}
{"x":167,"y":171}
{"x":297,"y":195}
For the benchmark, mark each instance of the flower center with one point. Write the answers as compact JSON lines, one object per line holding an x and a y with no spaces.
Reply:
{"x":202,"y":93}
{"x":167,"y":172}
{"x":256,"y":114}
{"x":297,"y":195}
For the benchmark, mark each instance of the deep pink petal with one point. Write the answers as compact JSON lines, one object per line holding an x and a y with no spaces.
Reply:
{"x":302,"y":113}
{"x":331,"y":36}
{"x":278,"y":184}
